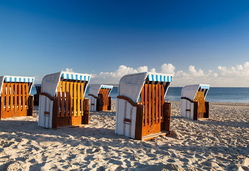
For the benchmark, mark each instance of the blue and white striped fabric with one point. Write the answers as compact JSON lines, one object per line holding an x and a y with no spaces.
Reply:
{"x":75,"y":76}
{"x":204,"y":86}
{"x":159,"y":78}
{"x":107,"y":86}
{"x":19,"y":79}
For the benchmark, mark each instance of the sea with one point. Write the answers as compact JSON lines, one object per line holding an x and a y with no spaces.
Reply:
{"x":215,"y":94}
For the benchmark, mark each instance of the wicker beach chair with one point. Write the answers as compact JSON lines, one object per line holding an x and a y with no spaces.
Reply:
{"x":142,"y":113}
{"x":193,"y":104}
{"x":15,"y":96}
{"x":62,"y":101}
{"x":99,"y":97}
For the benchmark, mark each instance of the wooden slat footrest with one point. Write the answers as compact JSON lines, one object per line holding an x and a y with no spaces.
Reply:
{"x":78,"y":126}
{"x":74,"y":126}
{"x":205,"y":119}
{"x":151,"y":136}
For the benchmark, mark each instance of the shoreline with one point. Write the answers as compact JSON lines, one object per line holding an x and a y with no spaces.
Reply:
{"x":239,"y":103}
{"x":221,"y":103}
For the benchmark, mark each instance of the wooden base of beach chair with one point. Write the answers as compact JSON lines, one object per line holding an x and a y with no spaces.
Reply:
{"x":73,"y":120}
{"x":79,"y":126}
{"x":206,"y":119}
{"x":70,"y":120}
{"x":9,"y":114}
{"x":203,"y":119}
{"x":151,"y":136}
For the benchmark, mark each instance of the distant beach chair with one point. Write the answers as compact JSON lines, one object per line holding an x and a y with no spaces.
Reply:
{"x":62,"y":102}
{"x":99,"y":97}
{"x":15,"y":96}
{"x":142,"y":113}
{"x":193,"y":104}
{"x":36,"y":96}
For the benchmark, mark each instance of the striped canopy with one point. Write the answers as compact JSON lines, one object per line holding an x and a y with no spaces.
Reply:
{"x":107,"y":86}
{"x":204,"y":86}
{"x":50,"y":82}
{"x":75,"y":76}
{"x":159,"y":77}
{"x":18,"y":79}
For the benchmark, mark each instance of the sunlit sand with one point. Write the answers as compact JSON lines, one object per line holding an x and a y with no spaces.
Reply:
{"x":218,"y":143}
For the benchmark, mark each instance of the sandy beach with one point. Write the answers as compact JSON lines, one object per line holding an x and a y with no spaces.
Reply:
{"x":220,"y":143}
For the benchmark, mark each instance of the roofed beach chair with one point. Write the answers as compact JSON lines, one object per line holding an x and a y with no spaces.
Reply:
{"x":193,"y":104}
{"x":99,"y":97}
{"x":16,"y":99}
{"x":142,"y":113}
{"x":62,"y":102}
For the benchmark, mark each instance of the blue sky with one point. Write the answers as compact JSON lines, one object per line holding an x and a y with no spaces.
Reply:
{"x":201,"y":41}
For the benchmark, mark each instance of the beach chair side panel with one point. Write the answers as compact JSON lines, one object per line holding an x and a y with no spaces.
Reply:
{"x":86,"y":108}
{"x":110,"y":104}
{"x":206,"y":115}
{"x":188,"y":108}
{"x":183,"y":107}
{"x":36,"y":96}
{"x":166,"y":117}
{"x":93,"y":103}
{"x":126,"y":118}
{"x":46,"y":111}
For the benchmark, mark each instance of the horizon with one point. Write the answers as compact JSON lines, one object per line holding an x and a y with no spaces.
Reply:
{"x":195,"y":41}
